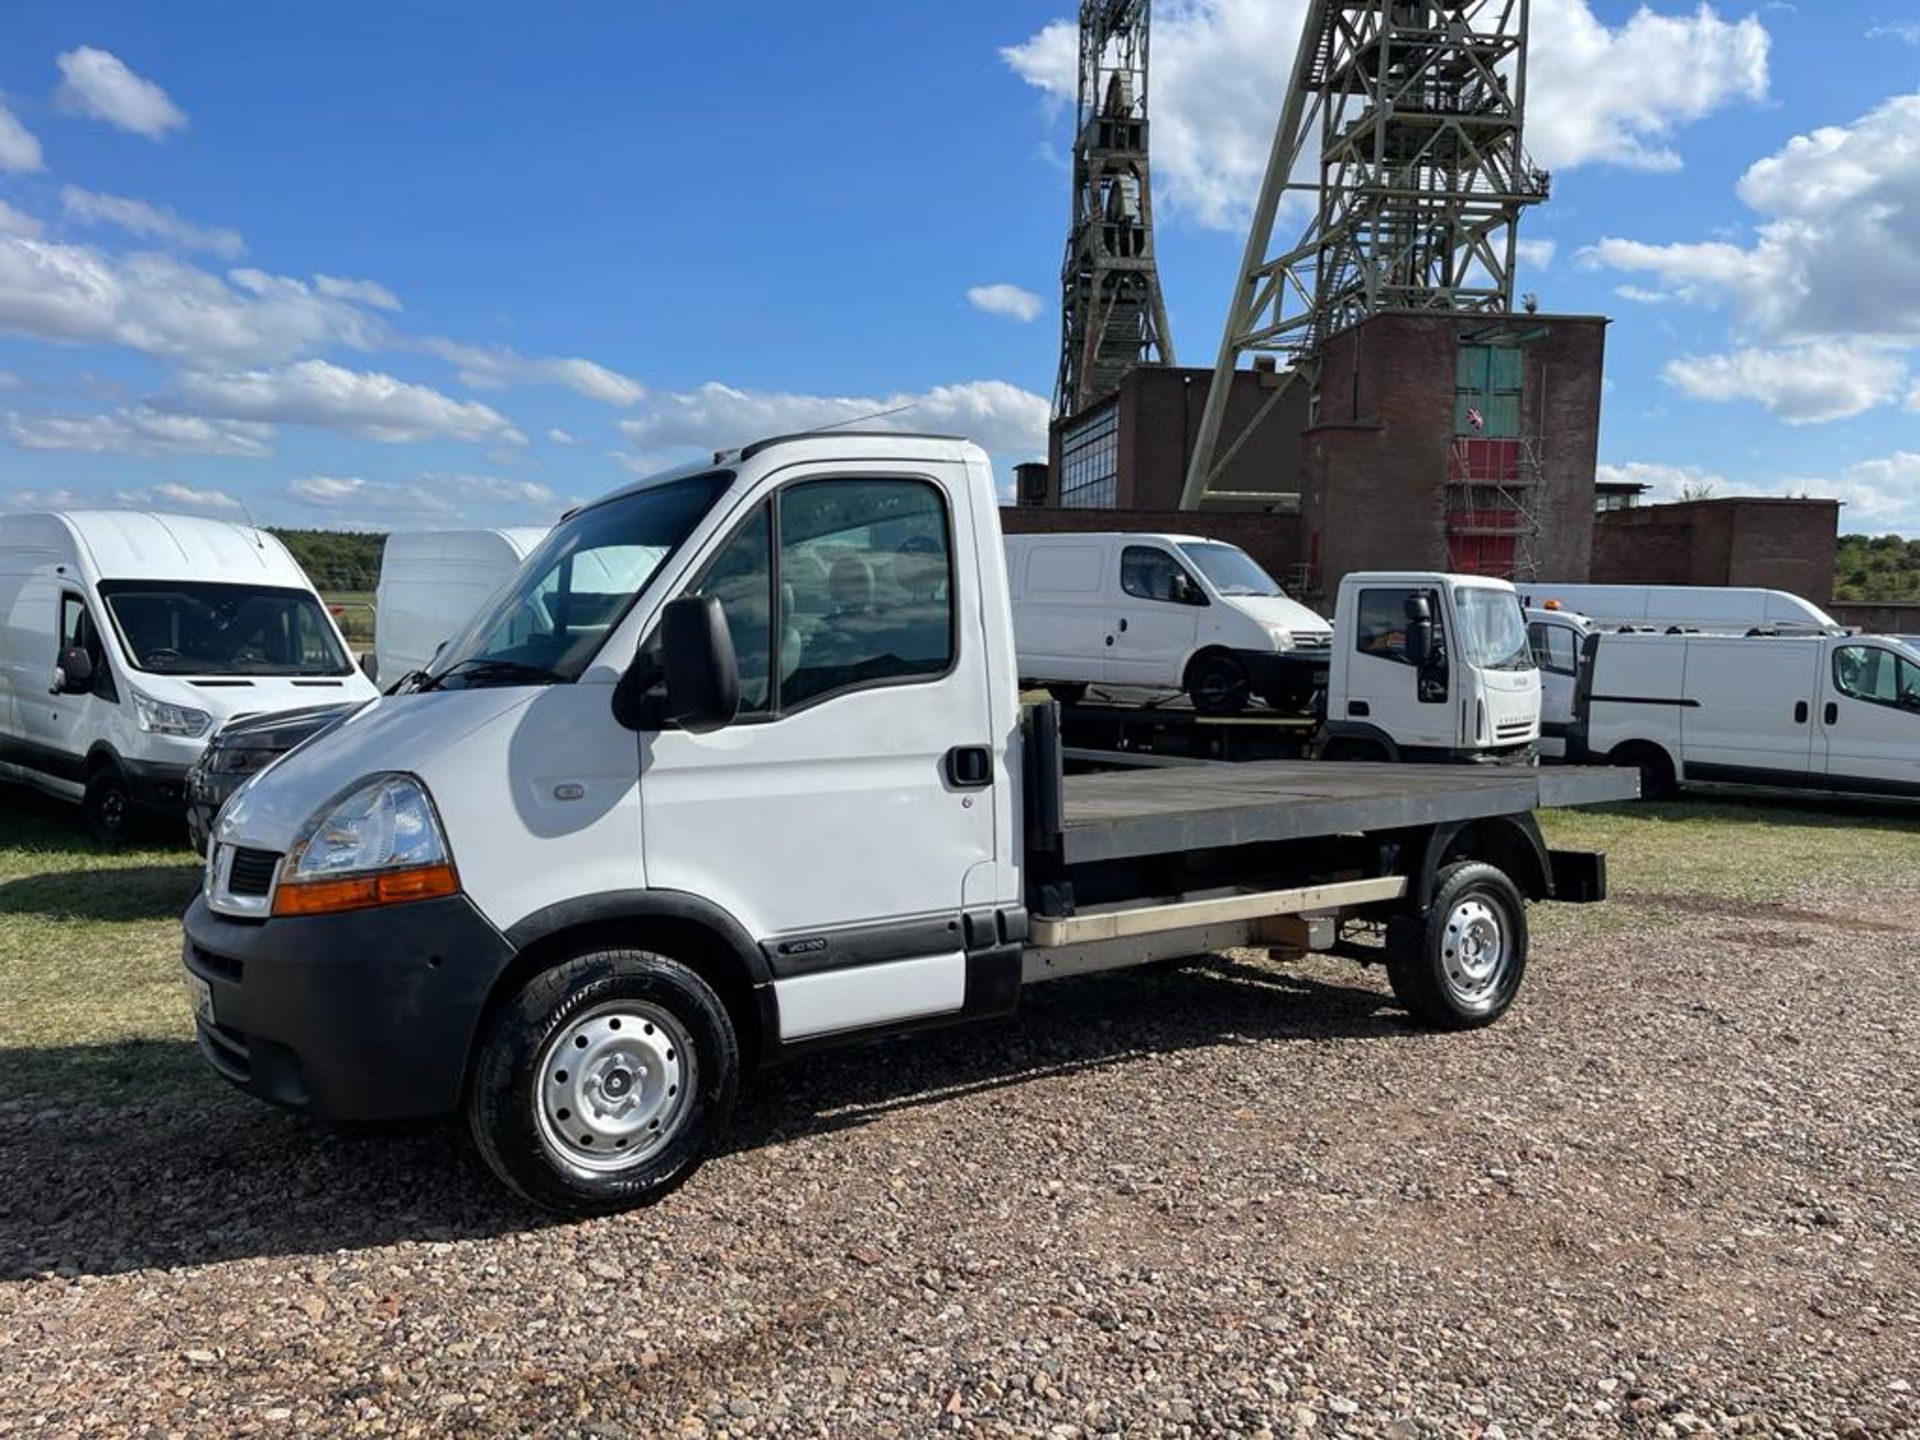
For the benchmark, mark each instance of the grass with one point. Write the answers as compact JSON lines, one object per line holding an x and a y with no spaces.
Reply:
{"x":355,"y":614}
{"x":91,"y":995}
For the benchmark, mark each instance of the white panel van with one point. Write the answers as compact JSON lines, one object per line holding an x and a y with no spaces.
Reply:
{"x":1728,"y":609}
{"x":1837,"y":713}
{"x":127,"y":638}
{"x":1171,"y":612}
{"x":431,"y":583}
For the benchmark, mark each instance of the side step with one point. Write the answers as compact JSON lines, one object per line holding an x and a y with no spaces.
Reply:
{"x":1048,"y":931}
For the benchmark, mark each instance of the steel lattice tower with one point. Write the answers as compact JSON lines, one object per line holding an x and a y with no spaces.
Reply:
{"x":1112,"y":316}
{"x":1412,"y":113}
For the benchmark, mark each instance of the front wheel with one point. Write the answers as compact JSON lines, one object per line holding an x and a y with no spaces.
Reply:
{"x":1459,"y":966}
{"x":111,"y":817}
{"x":1219,"y":685}
{"x":601,"y":1085}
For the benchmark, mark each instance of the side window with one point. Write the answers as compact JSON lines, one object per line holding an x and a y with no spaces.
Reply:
{"x":77,"y":632}
{"x":1553,"y":648}
{"x":1150,"y":573}
{"x":1382,"y":628}
{"x":741,"y":576}
{"x":1877,"y":676}
{"x":866,"y":586}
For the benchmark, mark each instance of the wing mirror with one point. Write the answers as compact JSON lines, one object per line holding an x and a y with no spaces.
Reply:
{"x":1419,"y":631}
{"x":73,"y":675}
{"x":688,"y":677}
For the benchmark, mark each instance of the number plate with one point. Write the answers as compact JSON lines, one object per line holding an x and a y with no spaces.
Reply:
{"x":201,"y":994}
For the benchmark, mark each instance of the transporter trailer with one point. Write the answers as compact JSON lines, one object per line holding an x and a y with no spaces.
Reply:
{"x":737,"y":767}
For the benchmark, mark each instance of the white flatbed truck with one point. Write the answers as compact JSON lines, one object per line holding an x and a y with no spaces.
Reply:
{"x":737,"y":767}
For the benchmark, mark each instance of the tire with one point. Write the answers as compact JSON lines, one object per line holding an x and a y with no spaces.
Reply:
{"x":1448,"y":985}
{"x":1218,"y":685}
{"x":1068,"y":694}
{"x":112,"y":819}
{"x":1657,"y":778}
{"x":656,"y":1076}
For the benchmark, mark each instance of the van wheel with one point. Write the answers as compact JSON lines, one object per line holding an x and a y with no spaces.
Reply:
{"x":1657,"y":780}
{"x":601,"y":1085}
{"x":1218,"y":685}
{"x":1458,"y":966}
{"x":1068,"y":694}
{"x":111,"y":817}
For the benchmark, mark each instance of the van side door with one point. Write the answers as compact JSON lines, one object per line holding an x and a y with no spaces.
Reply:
{"x":1060,"y":618}
{"x":1156,"y":617}
{"x":1747,"y":710}
{"x":1869,"y":721}
{"x":837,"y":818}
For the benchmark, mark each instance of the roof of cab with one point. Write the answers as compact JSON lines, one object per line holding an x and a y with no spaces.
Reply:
{"x":147,"y":545}
{"x":899,"y":444}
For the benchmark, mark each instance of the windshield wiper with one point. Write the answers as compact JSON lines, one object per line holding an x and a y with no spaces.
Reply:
{"x":482,"y":672}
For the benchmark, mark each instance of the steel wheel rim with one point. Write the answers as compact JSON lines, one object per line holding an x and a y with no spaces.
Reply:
{"x":1222,"y":686}
{"x":1475,"y":952}
{"x":614,"y":1087}
{"x":113,"y":809}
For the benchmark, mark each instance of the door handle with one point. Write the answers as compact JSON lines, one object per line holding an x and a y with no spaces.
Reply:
{"x":1123,"y":627}
{"x":1832,"y":715}
{"x":1109,"y":639}
{"x":1800,"y":713}
{"x":969,"y":767}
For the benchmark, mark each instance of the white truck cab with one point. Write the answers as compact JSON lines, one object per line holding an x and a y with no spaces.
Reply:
{"x":1430,"y":666}
{"x":130,"y":637}
{"x":1165,"y":612}
{"x":737,"y":766}
{"x":1559,"y":638}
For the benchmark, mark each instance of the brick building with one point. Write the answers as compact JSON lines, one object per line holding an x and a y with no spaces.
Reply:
{"x":1766,"y":543}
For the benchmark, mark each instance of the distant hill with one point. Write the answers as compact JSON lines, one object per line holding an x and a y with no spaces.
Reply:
{"x":1877,"y":567}
{"x":337,"y":561}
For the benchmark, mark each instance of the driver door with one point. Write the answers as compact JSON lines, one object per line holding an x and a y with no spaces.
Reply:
{"x":1385,"y":688}
{"x":59,"y":728}
{"x":1870,"y":721}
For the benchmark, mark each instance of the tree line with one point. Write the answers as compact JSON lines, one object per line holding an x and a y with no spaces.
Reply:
{"x":337,"y":561}
{"x":1877,"y":567}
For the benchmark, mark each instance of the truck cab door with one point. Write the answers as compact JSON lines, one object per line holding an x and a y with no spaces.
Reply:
{"x":1556,"y":651}
{"x":838,"y":816}
{"x":1386,"y":689}
{"x":1869,"y":721}
{"x":1156,"y":619}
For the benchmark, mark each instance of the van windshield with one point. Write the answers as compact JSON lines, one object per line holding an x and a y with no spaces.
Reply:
{"x":1230,"y":570}
{"x":548,"y":622}
{"x":1494,"y":628}
{"x":192,"y":627}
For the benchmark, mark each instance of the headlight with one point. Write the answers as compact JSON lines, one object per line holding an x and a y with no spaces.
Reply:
{"x":380,"y":844}
{"x":1281,"y":636}
{"x":222,"y":761}
{"x":162,"y":718}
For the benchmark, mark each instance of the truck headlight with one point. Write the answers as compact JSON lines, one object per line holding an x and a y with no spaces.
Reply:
{"x":161,"y":717}
{"x":379,"y":844}
{"x":1281,"y":636}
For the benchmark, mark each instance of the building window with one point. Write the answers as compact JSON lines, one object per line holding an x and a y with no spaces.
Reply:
{"x":1090,"y":462}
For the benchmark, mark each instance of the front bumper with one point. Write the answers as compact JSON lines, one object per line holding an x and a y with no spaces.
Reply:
{"x":156,"y":785}
{"x":1286,"y":679}
{"x":362,"y":1016}
{"x":206,"y":792}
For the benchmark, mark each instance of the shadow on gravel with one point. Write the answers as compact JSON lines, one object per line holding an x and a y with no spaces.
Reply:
{"x":131,"y":1157}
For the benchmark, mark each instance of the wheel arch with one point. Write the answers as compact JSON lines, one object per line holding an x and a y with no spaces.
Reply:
{"x":683,"y":927}
{"x":1204,"y":652}
{"x":100,"y":756}
{"x":1511,"y":844}
{"x":1339,"y":733}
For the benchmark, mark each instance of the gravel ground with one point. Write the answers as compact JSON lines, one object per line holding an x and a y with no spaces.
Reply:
{"x":1677,"y":1191}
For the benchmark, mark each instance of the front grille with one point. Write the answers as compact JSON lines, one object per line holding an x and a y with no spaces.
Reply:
{"x":252,"y":872}
{"x":226,"y":1050}
{"x":224,"y":966}
{"x":1312,"y":641}
{"x":1513,"y":728}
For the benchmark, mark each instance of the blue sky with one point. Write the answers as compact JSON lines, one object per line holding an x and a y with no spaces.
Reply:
{"x":431,"y":263}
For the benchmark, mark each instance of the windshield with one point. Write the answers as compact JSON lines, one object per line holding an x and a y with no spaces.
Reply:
{"x":187,"y":627}
{"x":1230,"y":570}
{"x":1494,"y":628}
{"x":550,"y":619}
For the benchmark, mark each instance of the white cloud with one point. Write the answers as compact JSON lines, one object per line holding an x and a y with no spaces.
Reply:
{"x":494,"y":367}
{"x":1665,"y":482}
{"x":1536,"y":254}
{"x":1008,"y":300}
{"x":561,"y":437}
{"x":425,"y":499}
{"x":17,"y":222}
{"x":361,"y":292}
{"x":1881,"y":494}
{"x":74,"y":294}
{"x":1903,"y":30}
{"x":98,"y":84}
{"x":19,"y":151}
{"x":1002,"y":417}
{"x":142,"y":432}
{"x":491,"y":490}
{"x":149,"y":222}
{"x":1803,"y":384}
{"x":172,"y":496}
{"x":370,"y":405}
{"x":1597,"y":94}
{"x":57,"y":499}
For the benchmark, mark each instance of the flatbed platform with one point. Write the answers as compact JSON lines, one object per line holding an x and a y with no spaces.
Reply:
{"x":1120,"y":814}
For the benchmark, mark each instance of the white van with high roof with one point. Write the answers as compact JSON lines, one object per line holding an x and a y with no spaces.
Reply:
{"x":127,"y":638}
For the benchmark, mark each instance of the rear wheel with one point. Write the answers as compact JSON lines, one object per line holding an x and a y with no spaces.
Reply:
{"x":1459,"y":966}
{"x":109,"y":808}
{"x":603,"y":1082}
{"x":1218,"y":685}
{"x":1068,"y":694}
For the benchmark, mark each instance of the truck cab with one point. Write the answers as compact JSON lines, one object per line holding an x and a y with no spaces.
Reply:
{"x":1429,"y":666}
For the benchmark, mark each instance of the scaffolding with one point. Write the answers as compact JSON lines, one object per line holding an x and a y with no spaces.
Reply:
{"x":1407,"y":117}
{"x":1112,"y":315}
